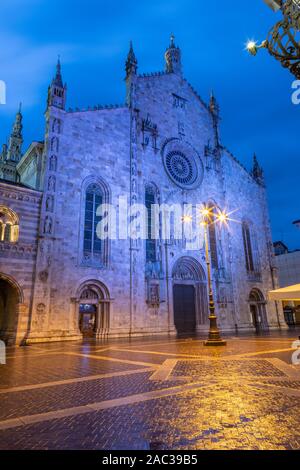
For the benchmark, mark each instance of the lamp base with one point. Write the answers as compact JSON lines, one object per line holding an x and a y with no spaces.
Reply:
{"x":215,"y":342}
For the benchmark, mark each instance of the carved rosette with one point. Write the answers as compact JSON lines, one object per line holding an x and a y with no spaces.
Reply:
{"x":182,"y":163}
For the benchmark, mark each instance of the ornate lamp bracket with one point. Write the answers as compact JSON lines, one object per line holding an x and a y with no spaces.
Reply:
{"x":283,"y":40}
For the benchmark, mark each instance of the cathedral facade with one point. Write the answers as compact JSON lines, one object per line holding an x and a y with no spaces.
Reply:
{"x":60,"y":281}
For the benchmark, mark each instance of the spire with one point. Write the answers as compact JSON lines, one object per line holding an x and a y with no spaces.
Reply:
{"x":215,"y":112}
{"x":257,"y":171}
{"x":172,"y":38}
{"x":57,"y":80}
{"x":57,"y":90}
{"x":14,"y":152}
{"x":131,"y":62}
{"x":214,"y":106}
{"x":173,"y":57}
{"x":131,"y":70}
{"x":11,"y":154}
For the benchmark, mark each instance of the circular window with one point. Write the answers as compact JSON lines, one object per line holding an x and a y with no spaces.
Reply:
{"x":182,"y":164}
{"x":181,"y":168}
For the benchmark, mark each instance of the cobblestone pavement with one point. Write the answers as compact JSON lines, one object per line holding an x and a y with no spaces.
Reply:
{"x":158,"y":394}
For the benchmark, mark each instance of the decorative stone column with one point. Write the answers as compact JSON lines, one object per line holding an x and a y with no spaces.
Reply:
{"x":102,"y":318}
{"x":22,"y":322}
{"x":74,"y":317}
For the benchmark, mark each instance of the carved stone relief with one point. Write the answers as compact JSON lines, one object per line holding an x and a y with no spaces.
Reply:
{"x":149,"y":133}
{"x":49,"y":203}
{"x":51,"y":183}
{"x":53,"y":163}
{"x":48,"y":225}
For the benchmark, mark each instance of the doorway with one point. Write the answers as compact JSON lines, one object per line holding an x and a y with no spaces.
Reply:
{"x":87,"y":319}
{"x":258,"y":311}
{"x":255,"y":318}
{"x":184,"y":308}
{"x":93,"y":309}
{"x":9,"y":301}
{"x":190,"y":300}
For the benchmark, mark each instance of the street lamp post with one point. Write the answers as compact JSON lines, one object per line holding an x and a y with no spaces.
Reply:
{"x":214,"y":336}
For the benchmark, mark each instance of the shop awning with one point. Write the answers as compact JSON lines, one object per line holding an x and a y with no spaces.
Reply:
{"x":287,"y":293}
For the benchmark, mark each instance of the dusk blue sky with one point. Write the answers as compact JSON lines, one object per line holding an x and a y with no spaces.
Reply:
{"x":92,"y":38}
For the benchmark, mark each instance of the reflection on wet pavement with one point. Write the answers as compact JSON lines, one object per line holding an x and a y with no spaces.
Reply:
{"x":162,"y":393}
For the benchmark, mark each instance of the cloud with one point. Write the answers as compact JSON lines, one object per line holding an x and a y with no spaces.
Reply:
{"x":11,"y":4}
{"x":25,"y":67}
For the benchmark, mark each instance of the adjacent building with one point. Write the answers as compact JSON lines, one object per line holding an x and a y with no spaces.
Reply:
{"x":288,"y":264}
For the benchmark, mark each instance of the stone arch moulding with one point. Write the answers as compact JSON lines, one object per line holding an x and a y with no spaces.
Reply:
{"x":100,"y":182}
{"x":10,"y":214}
{"x":151,"y":185}
{"x":14,"y":284}
{"x":95,"y":285}
{"x":256,"y":295}
{"x":98,"y":295}
{"x":212,"y":202}
{"x":258,"y":310}
{"x":9,"y":225}
{"x":13,"y":332}
{"x":191,"y":266}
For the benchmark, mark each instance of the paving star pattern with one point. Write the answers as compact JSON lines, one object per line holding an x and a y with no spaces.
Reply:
{"x":152,"y":394}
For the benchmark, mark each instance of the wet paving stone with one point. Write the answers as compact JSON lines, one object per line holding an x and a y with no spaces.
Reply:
{"x":227,"y":369}
{"x":17,"y":404}
{"x":183,"y":422}
{"x":150,"y":397}
{"x":294,"y":385}
{"x":41,"y":368}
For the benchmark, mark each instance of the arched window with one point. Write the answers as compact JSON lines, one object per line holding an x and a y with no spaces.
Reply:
{"x":248,"y":248}
{"x":9,"y":225}
{"x":150,"y":200}
{"x":92,"y":245}
{"x":7,"y":232}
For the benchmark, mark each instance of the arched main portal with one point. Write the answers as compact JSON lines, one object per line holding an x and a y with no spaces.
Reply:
{"x":94,"y":309}
{"x":10,"y":299}
{"x":189,"y":295}
{"x":258,"y":310}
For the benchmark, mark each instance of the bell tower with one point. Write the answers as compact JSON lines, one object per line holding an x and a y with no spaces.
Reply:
{"x":14,"y":152}
{"x":11,"y":154}
{"x":57,"y":91}
{"x":173,"y":58}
